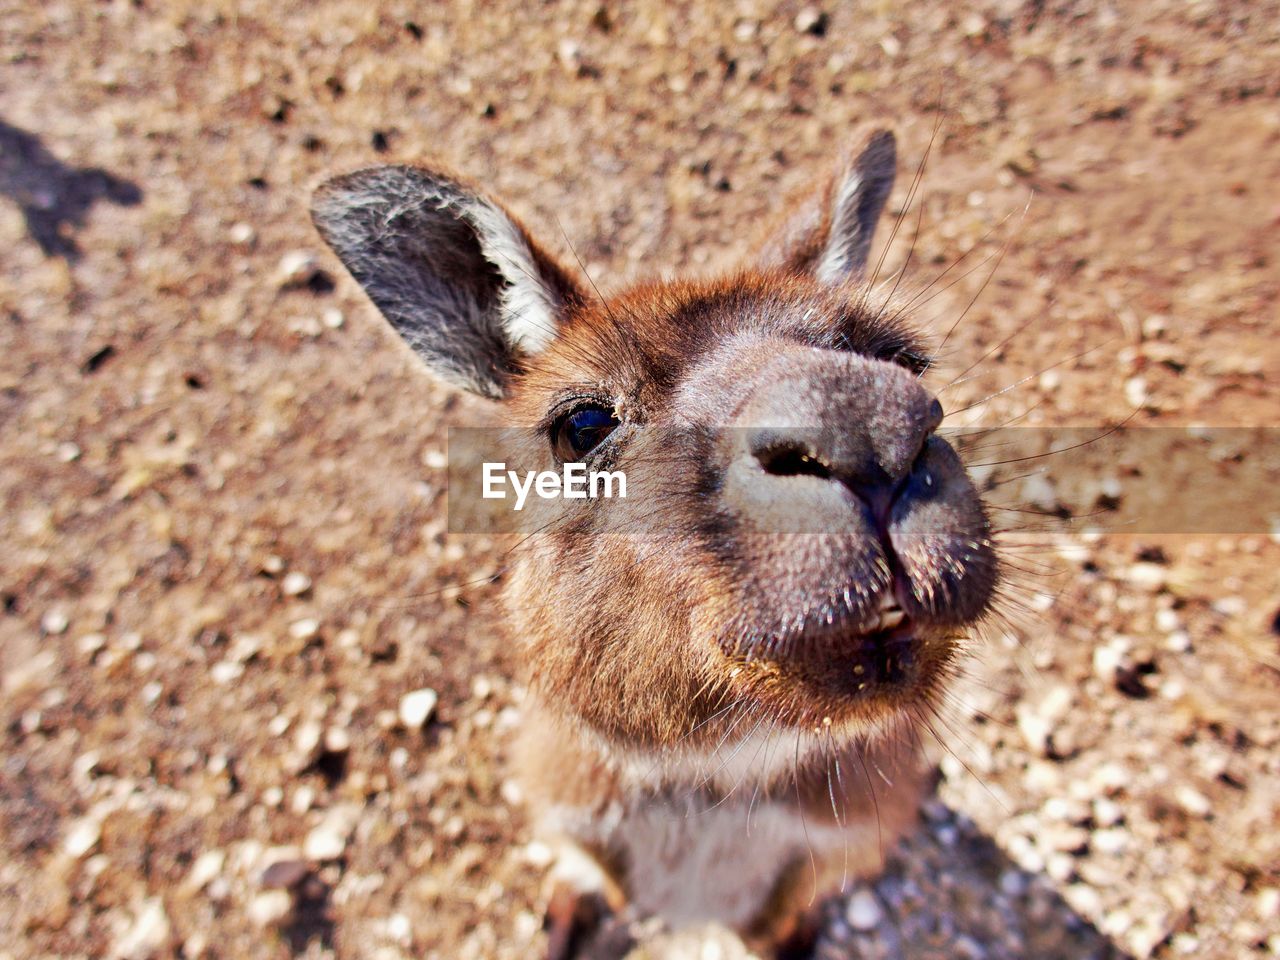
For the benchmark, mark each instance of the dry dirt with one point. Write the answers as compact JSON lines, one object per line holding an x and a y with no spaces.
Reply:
{"x":202,"y":756}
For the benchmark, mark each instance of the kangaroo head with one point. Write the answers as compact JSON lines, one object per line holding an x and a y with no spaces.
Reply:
{"x":796,"y":541}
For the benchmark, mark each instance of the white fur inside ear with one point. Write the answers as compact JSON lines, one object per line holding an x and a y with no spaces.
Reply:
{"x":845,"y":236}
{"x":529,"y":305}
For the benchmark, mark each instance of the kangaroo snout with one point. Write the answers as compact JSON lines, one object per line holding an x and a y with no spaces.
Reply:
{"x":820,"y":425}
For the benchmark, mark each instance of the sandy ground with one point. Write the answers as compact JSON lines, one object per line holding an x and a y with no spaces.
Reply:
{"x":225,"y":558}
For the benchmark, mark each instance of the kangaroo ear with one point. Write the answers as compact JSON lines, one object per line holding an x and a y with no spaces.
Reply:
{"x":454,"y":273}
{"x":829,"y":235}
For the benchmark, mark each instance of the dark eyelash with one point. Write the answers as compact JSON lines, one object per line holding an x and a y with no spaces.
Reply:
{"x":564,"y":405}
{"x":917,"y":363}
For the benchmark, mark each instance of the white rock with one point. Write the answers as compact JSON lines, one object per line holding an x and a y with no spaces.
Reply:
{"x":337,"y":740}
{"x":1193,"y":801}
{"x":809,"y":18}
{"x":1067,"y":809}
{"x":226,"y":671}
{"x":54,"y":622}
{"x":1269,"y":903}
{"x":1110,"y":778}
{"x":863,"y":911}
{"x":304,"y":629}
{"x":206,"y":868}
{"x":1106,"y":812}
{"x":1150,"y":577}
{"x":1107,"y":661}
{"x":241,"y":234}
{"x":91,"y":643}
{"x":1084,"y":900}
{"x":302,"y":799}
{"x":270,"y":907}
{"x":399,"y":928}
{"x":417,"y":707}
{"x":1230,"y":606}
{"x":538,"y":855}
{"x":1111,"y":840}
{"x":295,"y":267}
{"x":244,"y":647}
{"x":1060,"y":839}
{"x":295,"y":583}
{"x":146,"y":935}
{"x":1060,"y":866}
{"x":1135,"y":391}
{"x":82,"y":837}
{"x":328,"y":839}
{"x":1035,"y":730}
{"x":1039,"y":491}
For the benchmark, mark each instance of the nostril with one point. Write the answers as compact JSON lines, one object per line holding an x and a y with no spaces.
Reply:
{"x":936,"y":415}
{"x":791,"y":460}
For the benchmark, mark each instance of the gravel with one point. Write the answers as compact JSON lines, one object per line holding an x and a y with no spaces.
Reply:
{"x":198,"y":405}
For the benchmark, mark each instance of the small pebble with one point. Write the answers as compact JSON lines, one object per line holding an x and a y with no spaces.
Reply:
{"x":811,"y":20}
{"x":417,"y":707}
{"x":1193,"y":801}
{"x":1065,"y":839}
{"x":1151,"y":577}
{"x":863,"y":912}
{"x":146,"y":935}
{"x":270,"y":907}
{"x":225,"y":671}
{"x":207,"y":866}
{"x":241,"y":234}
{"x":295,"y":583}
{"x":1060,"y":866}
{"x":328,"y":839}
{"x":1035,"y":730}
{"x":399,"y":928}
{"x":337,"y":740}
{"x":1269,"y":903}
{"x":1106,"y":812}
{"x":304,"y":629}
{"x":1110,"y":841}
{"x":1084,"y":900}
{"x":284,"y":874}
{"x":295,"y":267}
{"x":82,"y":837}
{"x":302,"y":800}
{"x":54,"y":622}
{"x":1135,"y":391}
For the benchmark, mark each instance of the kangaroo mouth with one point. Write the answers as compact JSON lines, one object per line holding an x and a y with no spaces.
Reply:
{"x":864,"y":660}
{"x":847,"y":667}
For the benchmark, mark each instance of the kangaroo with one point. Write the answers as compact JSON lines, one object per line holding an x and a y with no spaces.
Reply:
{"x":727,"y":665}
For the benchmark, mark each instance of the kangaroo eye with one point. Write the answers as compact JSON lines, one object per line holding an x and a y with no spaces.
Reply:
{"x":578,"y":433}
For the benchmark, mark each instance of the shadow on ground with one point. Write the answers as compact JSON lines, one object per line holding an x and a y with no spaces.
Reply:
{"x":54,"y":198}
{"x":949,"y":892}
